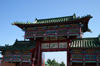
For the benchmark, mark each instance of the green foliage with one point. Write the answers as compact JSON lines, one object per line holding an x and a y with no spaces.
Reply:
{"x":62,"y":64}
{"x":54,"y":63}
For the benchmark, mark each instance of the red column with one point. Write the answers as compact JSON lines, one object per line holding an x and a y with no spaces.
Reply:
{"x":40,"y":56}
{"x":68,"y":52}
{"x":38,"y":59}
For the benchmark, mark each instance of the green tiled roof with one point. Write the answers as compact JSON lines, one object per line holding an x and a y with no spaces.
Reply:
{"x":85,"y":43}
{"x":53,"y":20}
{"x":20,"y":45}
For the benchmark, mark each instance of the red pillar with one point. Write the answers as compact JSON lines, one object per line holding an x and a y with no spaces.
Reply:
{"x":38,"y":59}
{"x":68,"y":52}
{"x":40,"y":56}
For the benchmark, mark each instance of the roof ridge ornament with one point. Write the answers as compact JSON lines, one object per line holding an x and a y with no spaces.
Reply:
{"x":74,"y":15}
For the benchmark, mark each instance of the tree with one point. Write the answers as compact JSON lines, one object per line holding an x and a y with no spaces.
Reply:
{"x":49,"y":62}
{"x":62,"y":64}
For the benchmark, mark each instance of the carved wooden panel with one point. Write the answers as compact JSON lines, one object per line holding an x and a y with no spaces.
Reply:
{"x":45,"y":46}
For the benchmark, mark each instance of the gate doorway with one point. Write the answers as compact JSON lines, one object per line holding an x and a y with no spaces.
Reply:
{"x":58,"y":57}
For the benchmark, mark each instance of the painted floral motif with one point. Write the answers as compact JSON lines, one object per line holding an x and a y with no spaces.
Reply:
{"x":45,"y":46}
{"x":63,"y":45}
{"x":53,"y":45}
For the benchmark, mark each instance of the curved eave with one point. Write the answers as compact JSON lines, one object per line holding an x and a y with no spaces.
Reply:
{"x":83,"y":20}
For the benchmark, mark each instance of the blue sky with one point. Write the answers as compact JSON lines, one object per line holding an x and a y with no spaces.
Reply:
{"x":28,"y":10}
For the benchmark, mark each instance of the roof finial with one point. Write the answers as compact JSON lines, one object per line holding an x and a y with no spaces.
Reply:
{"x":74,"y":15}
{"x":35,"y":18}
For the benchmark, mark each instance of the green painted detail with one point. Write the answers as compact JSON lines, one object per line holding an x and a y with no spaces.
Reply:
{"x":20,"y":45}
{"x":53,"y":20}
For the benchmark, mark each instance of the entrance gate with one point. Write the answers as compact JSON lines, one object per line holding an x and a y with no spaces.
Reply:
{"x":50,"y":46}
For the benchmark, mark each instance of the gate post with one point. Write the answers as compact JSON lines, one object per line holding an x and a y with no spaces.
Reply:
{"x":68,"y":53}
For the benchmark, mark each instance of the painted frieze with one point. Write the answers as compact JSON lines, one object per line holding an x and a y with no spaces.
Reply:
{"x":90,"y":51}
{"x":90,"y":56}
{"x":73,"y":30}
{"x":62,"y":31}
{"x":40,"y":32}
{"x":7,"y":56}
{"x":26,"y":57}
{"x":16,"y":57}
{"x":77,"y":56}
{"x":29,"y":33}
{"x":50,"y":32}
{"x":63,"y":45}
{"x":77,"y":51}
{"x":45,"y":45}
{"x":45,"y":39}
{"x":26,"y":52}
{"x":30,"y":29}
{"x":62,"y":38}
{"x":53,"y":38}
{"x":53,"y":45}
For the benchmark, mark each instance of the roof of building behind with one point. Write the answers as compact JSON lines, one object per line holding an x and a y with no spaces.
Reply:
{"x":86,"y":43}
